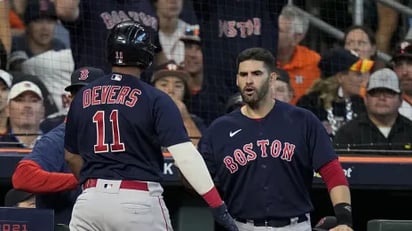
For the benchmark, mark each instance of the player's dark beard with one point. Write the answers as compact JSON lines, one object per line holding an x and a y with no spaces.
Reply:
{"x":254,"y":100}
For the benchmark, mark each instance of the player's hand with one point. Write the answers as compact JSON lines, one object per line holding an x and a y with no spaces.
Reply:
{"x":223,"y":217}
{"x":341,"y":228}
{"x":182,"y":108}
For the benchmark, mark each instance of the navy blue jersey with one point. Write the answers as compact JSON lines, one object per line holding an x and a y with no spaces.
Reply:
{"x":118,"y":124}
{"x":89,"y":32}
{"x":264,"y":167}
{"x":49,"y":154}
{"x":226,"y":28}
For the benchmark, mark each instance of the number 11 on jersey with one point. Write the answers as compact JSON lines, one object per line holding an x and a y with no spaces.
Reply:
{"x":101,"y":146}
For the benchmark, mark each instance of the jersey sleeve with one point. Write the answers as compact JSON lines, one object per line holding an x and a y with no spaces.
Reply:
{"x":168,"y":122}
{"x":205,"y":149}
{"x":48,"y":153}
{"x":70,"y":137}
{"x":320,"y":145}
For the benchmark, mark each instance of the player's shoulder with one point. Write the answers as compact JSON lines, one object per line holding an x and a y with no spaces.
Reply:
{"x":293,"y":112}
{"x":224,"y":120}
{"x":56,"y":133}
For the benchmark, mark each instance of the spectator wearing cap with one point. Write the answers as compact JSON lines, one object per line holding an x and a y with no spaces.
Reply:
{"x":299,"y":61}
{"x":282,"y":89}
{"x":38,"y":52}
{"x":193,"y":58}
{"x":26,"y":111}
{"x":49,"y":104}
{"x":382,"y":127}
{"x":5,"y":84}
{"x":335,"y":98}
{"x":44,"y":171}
{"x":402,"y":65}
{"x":21,"y":199}
{"x":172,"y":79}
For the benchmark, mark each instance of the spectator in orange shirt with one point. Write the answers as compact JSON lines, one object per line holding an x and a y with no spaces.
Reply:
{"x":300,"y":62}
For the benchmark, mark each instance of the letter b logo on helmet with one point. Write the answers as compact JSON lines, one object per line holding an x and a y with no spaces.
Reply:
{"x":129,"y":44}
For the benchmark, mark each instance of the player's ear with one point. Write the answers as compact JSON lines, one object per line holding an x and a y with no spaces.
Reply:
{"x":273,"y":76}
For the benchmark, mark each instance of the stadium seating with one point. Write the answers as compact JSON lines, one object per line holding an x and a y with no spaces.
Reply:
{"x":194,"y":218}
{"x":389,"y":225}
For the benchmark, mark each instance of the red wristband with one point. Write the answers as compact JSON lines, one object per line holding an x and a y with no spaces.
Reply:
{"x":213,"y":198}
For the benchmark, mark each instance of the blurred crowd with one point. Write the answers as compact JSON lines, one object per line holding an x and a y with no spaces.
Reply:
{"x":43,"y":41}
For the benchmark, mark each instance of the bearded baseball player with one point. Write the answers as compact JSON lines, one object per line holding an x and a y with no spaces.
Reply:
{"x":114,"y":134}
{"x":267,"y":150}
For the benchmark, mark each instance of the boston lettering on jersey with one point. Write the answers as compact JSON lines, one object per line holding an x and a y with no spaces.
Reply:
{"x":114,"y":17}
{"x":277,"y":149}
{"x":246,"y":28}
{"x":110,"y":94}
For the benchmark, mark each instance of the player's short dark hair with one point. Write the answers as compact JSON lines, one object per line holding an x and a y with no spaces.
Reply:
{"x":258,"y":54}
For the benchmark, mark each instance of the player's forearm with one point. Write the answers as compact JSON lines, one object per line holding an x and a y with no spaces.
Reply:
{"x":30,"y":177}
{"x":340,"y":194}
{"x":194,"y":169}
{"x":337,"y":184}
{"x":341,"y":200}
{"x":75,"y":163}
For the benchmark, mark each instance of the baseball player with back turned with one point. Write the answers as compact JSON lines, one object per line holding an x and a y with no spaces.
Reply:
{"x":263,"y":155}
{"x":115,"y":129}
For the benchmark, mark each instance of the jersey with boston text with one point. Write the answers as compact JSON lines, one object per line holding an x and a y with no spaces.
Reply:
{"x":264,"y":167}
{"x":227,"y":27}
{"x":118,"y":124}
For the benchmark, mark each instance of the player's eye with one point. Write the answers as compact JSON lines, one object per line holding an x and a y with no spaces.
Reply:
{"x":257,"y":73}
{"x":179,"y":86}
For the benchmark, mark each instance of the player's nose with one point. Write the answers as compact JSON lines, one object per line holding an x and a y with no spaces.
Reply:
{"x":249,"y":79}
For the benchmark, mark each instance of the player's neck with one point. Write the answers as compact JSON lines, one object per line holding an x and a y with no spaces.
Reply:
{"x":135,"y":71}
{"x":260,"y":110}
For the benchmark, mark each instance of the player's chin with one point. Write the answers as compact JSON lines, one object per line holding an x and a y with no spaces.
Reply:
{"x":250,"y":100}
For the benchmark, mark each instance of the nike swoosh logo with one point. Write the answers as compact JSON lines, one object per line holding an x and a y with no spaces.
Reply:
{"x":231,"y":134}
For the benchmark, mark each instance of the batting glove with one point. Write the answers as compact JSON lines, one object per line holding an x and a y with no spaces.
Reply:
{"x":223,"y":217}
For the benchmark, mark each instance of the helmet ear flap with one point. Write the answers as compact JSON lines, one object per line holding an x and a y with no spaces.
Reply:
{"x":130,"y":44}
